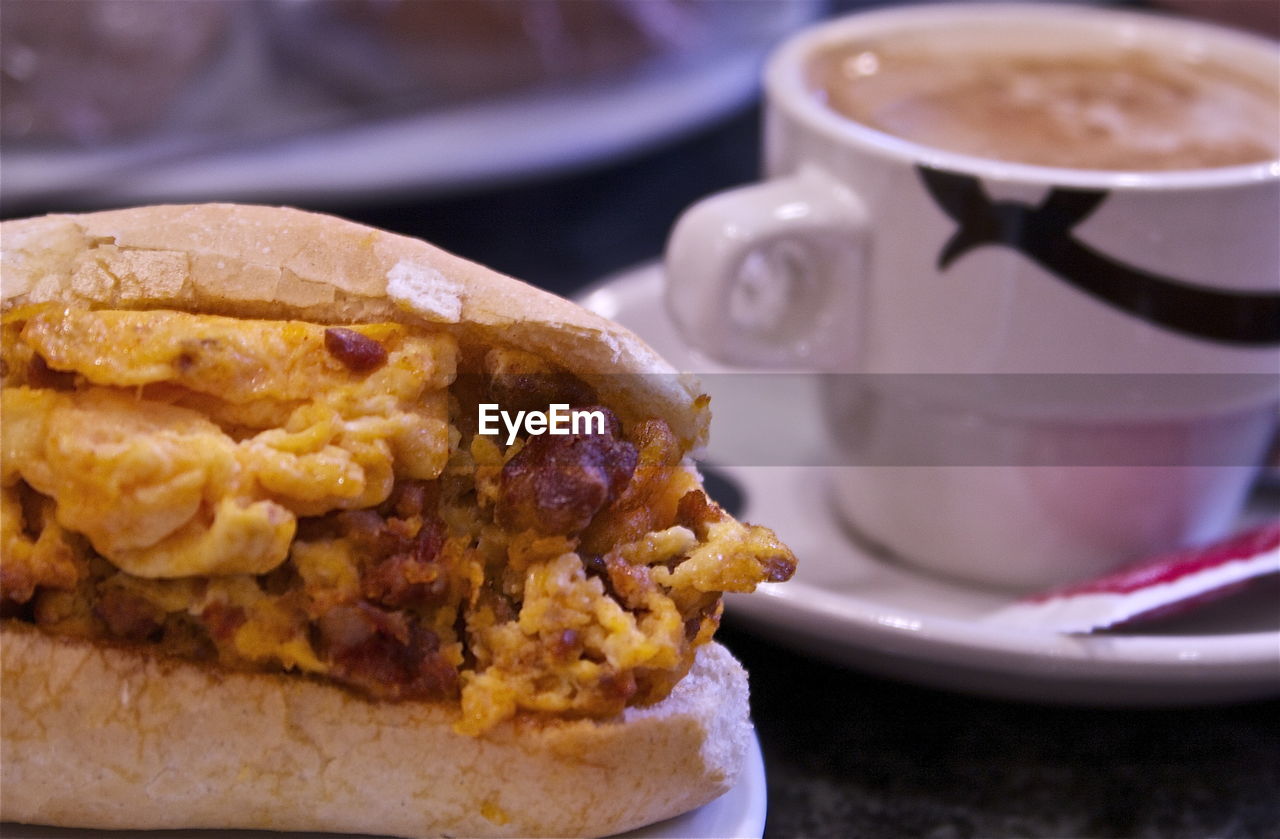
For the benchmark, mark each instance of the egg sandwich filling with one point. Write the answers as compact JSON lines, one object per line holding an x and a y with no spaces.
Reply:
{"x":293,"y":496}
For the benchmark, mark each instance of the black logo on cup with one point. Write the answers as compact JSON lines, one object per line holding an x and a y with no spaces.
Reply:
{"x":1043,"y":233}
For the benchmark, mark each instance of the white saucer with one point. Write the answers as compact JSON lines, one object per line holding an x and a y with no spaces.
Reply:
{"x":738,"y":814}
{"x":850,"y":605}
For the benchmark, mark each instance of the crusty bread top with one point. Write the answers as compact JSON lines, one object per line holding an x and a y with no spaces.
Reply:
{"x":278,"y":262}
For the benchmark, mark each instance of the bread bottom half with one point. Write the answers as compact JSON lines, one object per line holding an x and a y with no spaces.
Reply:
{"x":97,"y":736}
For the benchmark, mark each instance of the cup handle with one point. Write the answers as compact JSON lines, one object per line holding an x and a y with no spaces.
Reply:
{"x":772,"y":274}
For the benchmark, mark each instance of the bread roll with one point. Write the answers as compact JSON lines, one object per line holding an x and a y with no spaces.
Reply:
{"x":170,"y":716}
{"x":105,"y":738}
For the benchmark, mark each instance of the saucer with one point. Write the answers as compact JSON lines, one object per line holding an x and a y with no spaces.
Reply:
{"x":738,"y":814}
{"x":853,"y":605}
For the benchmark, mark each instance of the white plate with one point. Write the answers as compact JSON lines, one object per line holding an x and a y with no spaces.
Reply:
{"x":853,"y":606}
{"x":738,"y":814}
{"x":467,"y":146}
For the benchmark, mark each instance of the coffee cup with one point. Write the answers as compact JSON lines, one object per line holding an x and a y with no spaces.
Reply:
{"x":1052,"y":348}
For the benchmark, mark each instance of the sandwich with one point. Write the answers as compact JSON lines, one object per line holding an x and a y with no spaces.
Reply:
{"x":310,"y":526}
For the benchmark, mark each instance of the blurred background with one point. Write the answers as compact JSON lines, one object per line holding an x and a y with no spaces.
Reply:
{"x":557,"y":141}
{"x":479,"y":124}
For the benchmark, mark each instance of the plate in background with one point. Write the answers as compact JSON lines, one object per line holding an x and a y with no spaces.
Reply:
{"x":467,"y":146}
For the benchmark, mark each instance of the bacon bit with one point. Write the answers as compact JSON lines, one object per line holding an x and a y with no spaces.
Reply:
{"x":222,"y":620}
{"x":364,"y":527}
{"x":704,"y":619}
{"x":658,"y":444}
{"x":385,"y":654}
{"x":374,"y":537}
{"x":695,"y":511}
{"x":359,"y":353}
{"x":414,"y":578}
{"x":629,"y":584}
{"x":647,"y":503}
{"x":497,"y":602}
{"x":600,"y":567}
{"x":566,"y":645}
{"x":413,"y":498}
{"x":779,"y":568}
{"x":537,"y":391}
{"x":556,"y":484}
{"x":618,"y":686}
{"x":195,"y":352}
{"x":401,"y":557}
{"x":128,"y":616}
{"x":521,"y":381}
{"x":17,"y":583}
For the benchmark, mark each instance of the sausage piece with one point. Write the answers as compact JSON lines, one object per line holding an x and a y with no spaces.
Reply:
{"x":385,"y":654}
{"x":557,"y":483}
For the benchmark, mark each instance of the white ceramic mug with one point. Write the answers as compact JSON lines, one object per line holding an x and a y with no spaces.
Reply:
{"x":884,"y":259}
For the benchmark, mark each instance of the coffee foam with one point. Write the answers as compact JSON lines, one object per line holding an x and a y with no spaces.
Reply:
{"x":1113,"y":110}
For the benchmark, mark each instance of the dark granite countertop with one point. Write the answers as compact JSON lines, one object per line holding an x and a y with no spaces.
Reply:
{"x":850,"y":755}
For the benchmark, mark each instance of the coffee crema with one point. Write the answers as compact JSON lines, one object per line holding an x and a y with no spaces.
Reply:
{"x":1128,"y":110}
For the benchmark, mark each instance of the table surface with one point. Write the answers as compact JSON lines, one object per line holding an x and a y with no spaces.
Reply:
{"x":849,"y":754}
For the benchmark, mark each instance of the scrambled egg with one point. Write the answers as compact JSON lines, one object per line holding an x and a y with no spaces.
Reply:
{"x":161,"y":490}
{"x":283,"y":495}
